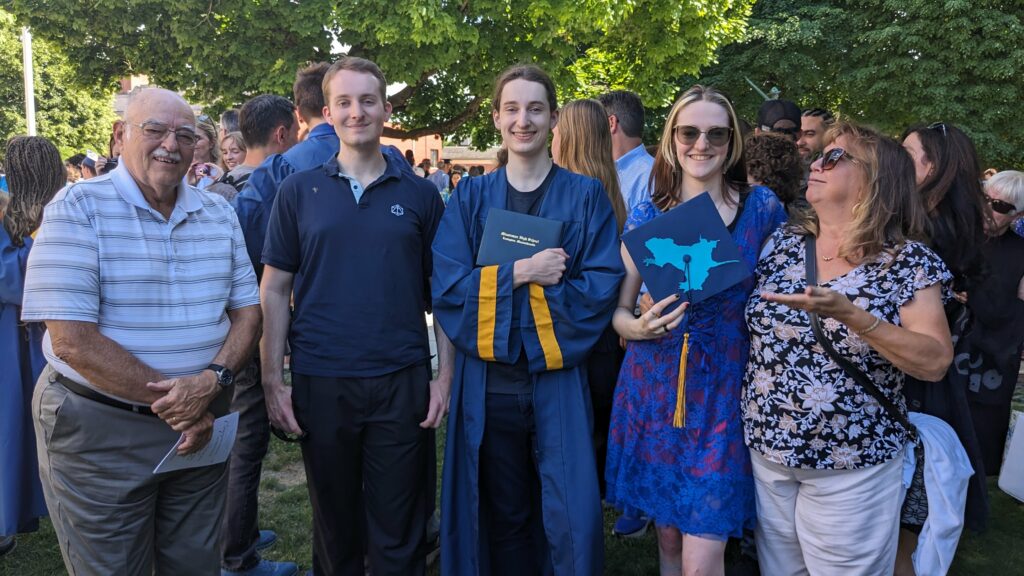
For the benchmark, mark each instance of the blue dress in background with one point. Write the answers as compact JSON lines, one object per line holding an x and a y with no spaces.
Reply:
{"x":21,"y":361}
{"x":698,"y":478}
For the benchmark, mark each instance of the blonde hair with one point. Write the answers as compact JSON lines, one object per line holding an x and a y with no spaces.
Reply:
{"x":211,"y":133}
{"x":585,"y":147}
{"x":237,"y":138}
{"x":890,"y":211}
{"x":667,"y":174}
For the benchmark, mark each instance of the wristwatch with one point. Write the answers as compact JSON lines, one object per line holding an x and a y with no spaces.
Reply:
{"x":225,"y":377}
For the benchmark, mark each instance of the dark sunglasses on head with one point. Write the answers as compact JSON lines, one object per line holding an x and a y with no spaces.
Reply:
{"x":1000,"y":206}
{"x":941,"y":126}
{"x":791,"y":132}
{"x":833,"y":156}
{"x":717,"y":136}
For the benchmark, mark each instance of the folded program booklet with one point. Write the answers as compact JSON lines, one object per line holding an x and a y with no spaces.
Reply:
{"x":510,"y":236}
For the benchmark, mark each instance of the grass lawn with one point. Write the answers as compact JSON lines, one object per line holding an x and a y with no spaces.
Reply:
{"x":285,"y":508}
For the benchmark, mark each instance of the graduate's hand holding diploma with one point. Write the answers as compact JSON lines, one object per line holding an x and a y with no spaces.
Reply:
{"x":544,"y":268}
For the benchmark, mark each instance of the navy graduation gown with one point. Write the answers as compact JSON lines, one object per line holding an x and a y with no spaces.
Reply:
{"x":555,"y":326}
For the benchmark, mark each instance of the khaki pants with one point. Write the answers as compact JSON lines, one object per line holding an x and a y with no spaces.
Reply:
{"x":112,"y":515}
{"x":824,"y":522}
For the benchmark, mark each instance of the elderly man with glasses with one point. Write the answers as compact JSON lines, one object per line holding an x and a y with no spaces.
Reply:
{"x":150,"y":304}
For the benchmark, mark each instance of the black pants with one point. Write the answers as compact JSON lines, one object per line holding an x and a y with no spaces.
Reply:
{"x":365,"y":450}
{"x":510,"y":494}
{"x":602,"y":373}
{"x":240,"y":529}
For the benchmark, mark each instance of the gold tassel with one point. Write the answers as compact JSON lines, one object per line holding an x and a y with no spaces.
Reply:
{"x":679,"y":420}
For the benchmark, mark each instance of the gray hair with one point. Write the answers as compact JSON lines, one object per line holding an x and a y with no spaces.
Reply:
{"x":1011,"y":184}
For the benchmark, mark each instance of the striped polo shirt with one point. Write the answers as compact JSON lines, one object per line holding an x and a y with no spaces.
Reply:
{"x":160,"y":288}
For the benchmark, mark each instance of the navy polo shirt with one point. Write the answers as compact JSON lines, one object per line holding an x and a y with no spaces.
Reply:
{"x":362,"y":269}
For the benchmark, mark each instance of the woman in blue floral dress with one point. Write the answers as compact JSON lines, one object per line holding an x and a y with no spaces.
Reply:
{"x":694,"y":479}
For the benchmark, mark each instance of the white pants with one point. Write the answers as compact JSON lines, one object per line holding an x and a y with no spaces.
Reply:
{"x":824,"y":522}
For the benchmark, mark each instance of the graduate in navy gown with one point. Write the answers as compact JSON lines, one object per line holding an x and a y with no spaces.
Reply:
{"x":35,"y":173}
{"x":520,"y":490}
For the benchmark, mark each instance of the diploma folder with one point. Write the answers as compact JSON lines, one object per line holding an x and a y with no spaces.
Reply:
{"x":687,"y":251}
{"x":510,"y":236}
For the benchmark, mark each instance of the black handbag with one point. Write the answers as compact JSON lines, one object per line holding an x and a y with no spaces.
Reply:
{"x":811,"y":271}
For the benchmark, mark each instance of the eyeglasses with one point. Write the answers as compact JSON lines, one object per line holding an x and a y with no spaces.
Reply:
{"x":833,"y":156}
{"x":938,"y":126}
{"x":1000,"y":206}
{"x":717,"y":136}
{"x":157,"y":131}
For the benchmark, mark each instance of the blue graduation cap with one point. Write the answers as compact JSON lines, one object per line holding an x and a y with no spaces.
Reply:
{"x":690,"y":252}
{"x":687,"y":251}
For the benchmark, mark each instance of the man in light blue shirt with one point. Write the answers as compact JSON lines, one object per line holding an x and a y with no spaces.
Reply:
{"x":632,"y":162}
{"x":442,"y":176}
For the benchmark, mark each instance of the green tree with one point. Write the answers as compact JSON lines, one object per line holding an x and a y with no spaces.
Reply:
{"x":446,"y":52}
{"x":891,"y":64}
{"x":74,"y":117}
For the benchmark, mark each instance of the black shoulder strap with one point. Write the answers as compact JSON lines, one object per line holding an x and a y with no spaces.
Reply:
{"x":811,"y":270}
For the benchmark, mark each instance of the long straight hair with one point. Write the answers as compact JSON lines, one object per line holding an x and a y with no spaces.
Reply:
{"x":35,"y":173}
{"x":955,"y":202}
{"x":585,"y":147}
{"x":667,"y":175}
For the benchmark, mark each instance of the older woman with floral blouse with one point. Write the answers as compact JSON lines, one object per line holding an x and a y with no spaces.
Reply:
{"x":827,"y":458}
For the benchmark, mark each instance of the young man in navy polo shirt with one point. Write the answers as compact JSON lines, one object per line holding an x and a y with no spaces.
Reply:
{"x":352,"y":239}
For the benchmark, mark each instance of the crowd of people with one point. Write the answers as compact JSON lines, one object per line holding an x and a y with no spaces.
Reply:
{"x":837,"y":412}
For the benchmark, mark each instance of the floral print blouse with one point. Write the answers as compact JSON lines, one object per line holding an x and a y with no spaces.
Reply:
{"x":800,"y":409}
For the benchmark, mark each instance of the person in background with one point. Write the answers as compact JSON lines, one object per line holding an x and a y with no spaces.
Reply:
{"x":520,"y":493}
{"x":34,"y":173}
{"x":946,"y":171}
{"x":205,"y":169}
{"x":633,"y":164}
{"x":991,"y":356}
{"x":232,"y":150}
{"x":73,"y":167}
{"x":675,"y":449}
{"x":582,"y":144}
{"x":441,"y":178}
{"x":456,"y":178}
{"x":773,"y":161}
{"x":780,"y":116}
{"x":827,"y":456}
{"x":410,"y":157}
{"x":228,"y":123}
{"x":813,"y":124}
{"x":268,"y":123}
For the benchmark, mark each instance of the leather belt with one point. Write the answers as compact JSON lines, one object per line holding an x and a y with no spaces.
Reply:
{"x":86,"y":392}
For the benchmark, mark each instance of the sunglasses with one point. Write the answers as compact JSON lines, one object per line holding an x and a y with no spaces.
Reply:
{"x":1000,"y":206}
{"x":833,"y":156}
{"x":717,"y":136}
{"x":941,"y":126}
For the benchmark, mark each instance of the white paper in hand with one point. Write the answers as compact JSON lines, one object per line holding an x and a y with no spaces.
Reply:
{"x":219,"y":448}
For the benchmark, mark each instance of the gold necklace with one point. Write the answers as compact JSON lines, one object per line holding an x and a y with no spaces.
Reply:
{"x":829,"y":258}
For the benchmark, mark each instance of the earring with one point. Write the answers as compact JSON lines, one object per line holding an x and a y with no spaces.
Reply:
{"x":856,"y":207}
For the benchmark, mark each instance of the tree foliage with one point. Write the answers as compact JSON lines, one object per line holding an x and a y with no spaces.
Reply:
{"x":891,"y":64}
{"x":446,"y":52}
{"x":74,"y":117}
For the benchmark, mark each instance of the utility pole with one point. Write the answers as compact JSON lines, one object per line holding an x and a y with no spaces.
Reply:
{"x":30,"y":92}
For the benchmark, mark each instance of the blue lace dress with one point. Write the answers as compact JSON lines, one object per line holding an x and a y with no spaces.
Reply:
{"x":697,"y":478}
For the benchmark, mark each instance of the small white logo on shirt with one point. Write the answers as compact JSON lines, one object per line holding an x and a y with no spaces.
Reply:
{"x":397,"y":210}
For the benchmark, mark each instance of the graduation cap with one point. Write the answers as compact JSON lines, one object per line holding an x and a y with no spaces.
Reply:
{"x":687,"y":251}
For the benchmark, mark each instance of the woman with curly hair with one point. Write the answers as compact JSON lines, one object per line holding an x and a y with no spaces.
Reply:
{"x":774,"y":162}
{"x":35,"y":173}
